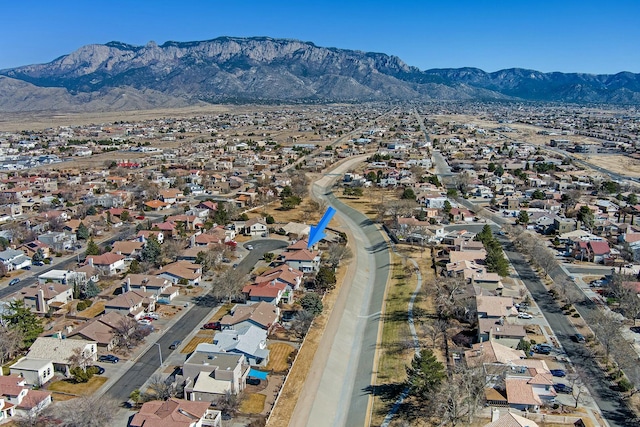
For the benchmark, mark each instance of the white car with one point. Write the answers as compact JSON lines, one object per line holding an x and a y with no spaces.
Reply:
{"x":144,"y":321}
{"x":525,"y":316}
{"x":154,"y":316}
{"x":249,"y":247}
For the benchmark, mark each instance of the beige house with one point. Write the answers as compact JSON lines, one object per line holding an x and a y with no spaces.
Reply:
{"x":209,"y":376}
{"x":176,"y":413}
{"x":60,"y":351}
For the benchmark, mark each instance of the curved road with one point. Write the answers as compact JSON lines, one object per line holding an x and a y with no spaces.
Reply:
{"x":337,"y":390}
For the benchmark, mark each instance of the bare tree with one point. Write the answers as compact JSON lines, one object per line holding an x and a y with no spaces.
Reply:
{"x":301,"y":323}
{"x":161,"y":388}
{"x":606,"y":327}
{"x":578,"y":389}
{"x":85,"y":411}
{"x":228,"y":285}
{"x":124,"y":330}
{"x":171,"y":249}
{"x":336,"y":253}
{"x":10,"y":342}
{"x":80,"y":358}
{"x":229,"y":404}
{"x":543,"y":257}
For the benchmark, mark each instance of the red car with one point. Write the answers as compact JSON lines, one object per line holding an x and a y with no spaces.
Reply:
{"x":212,"y":325}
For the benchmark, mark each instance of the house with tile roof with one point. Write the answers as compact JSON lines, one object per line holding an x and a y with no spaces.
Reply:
{"x":15,"y":394}
{"x":108,"y":263}
{"x":41,"y":298}
{"x":288,"y":275}
{"x":176,"y":413}
{"x":126,"y":248}
{"x":182,"y":271}
{"x":492,"y":352}
{"x":304,"y":260}
{"x":132,"y":303}
{"x":261,"y":314}
{"x":102,"y":330}
{"x":268,"y":291}
{"x":508,"y":419}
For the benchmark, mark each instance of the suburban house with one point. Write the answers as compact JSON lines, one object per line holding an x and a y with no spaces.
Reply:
{"x":30,"y":248}
{"x":102,"y":330}
{"x":132,"y":303}
{"x":42,"y":298}
{"x":59,"y":351}
{"x":149,"y":283}
{"x":262,"y":314}
{"x":509,"y":419}
{"x":272,"y":292}
{"x":15,"y":394}
{"x":128,"y":249}
{"x":63,"y":277}
{"x":492,"y":352}
{"x":108,"y":263}
{"x":209,"y":375}
{"x":283,"y":274}
{"x":250,"y":341}
{"x":14,"y":259}
{"x":182,"y":271}
{"x":304,"y":260}
{"x":36,"y":372}
{"x":256,"y":227}
{"x":144,"y":235}
{"x":176,"y":413}
{"x":58,"y":241}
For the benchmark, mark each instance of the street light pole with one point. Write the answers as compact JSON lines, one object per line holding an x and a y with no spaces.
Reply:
{"x":159,"y":352}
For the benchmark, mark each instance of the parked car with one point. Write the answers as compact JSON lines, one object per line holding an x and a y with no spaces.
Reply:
{"x":563,"y":388}
{"x":26,"y":267}
{"x":525,"y":316}
{"x":38,"y":263}
{"x":253,"y":381}
{"x":212,"y":325}
{"x":175,"y":344}
{"x":153,"y":316}
{"x":558,"y":373}
{"x":14,"y":281}
{"x":99,"y":370}
{"x":249,"y":247}
{"x":144,"y":321}
{"x":579,"y":338}
{"x":109,"y":358}
{"x":226,"y":260}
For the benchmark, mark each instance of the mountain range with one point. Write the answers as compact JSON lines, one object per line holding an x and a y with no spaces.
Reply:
{"x":119,"y":76}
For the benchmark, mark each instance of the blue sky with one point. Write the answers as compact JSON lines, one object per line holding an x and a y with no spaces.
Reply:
{"x":562,"y":35}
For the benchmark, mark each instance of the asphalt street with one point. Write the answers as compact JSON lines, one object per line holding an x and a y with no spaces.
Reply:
{"x":609,"y":401}
{"x":143,"y":368}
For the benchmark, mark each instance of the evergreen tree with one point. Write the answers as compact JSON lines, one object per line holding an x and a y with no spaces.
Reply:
{"x":325,"y":279}
{"x":151,"y":251}
{"x":312,"y":303}
{"x":92,"y":248}
{"x":523,"y":218}
{"x":408,"y":194}
{"x":20,"y":317}
{"x":425,"y":375}
{"x":38,"y":256}
{"x":82,"y":233}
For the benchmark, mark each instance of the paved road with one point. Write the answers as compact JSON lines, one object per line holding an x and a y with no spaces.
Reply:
{"x":146,"y":365}
{"x":613,"y":409}
{"x":337,"y":391}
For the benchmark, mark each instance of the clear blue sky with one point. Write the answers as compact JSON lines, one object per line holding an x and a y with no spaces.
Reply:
{"x":561,"y":35}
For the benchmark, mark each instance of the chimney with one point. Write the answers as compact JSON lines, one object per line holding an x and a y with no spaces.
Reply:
{"x":40,"y":304}
{"x":495,"y":414}
{"x":128,"y":285}
{"x":144,"y":288}
{"x":90,"y":259}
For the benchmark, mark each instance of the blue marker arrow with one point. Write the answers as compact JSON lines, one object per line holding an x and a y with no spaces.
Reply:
{"x":317,"y":233}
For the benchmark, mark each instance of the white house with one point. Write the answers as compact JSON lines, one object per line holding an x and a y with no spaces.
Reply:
{"x":36,"y":372}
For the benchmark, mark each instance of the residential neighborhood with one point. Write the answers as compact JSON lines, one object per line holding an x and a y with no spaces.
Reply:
{"x":183,"y":244}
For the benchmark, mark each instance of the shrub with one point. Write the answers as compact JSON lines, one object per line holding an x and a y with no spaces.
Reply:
{"x":81,"y":306}
{"x":575,"y":315}
{"x":625,"y":385}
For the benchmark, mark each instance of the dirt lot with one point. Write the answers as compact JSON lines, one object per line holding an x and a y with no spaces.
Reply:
{"x":615,"y":163}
